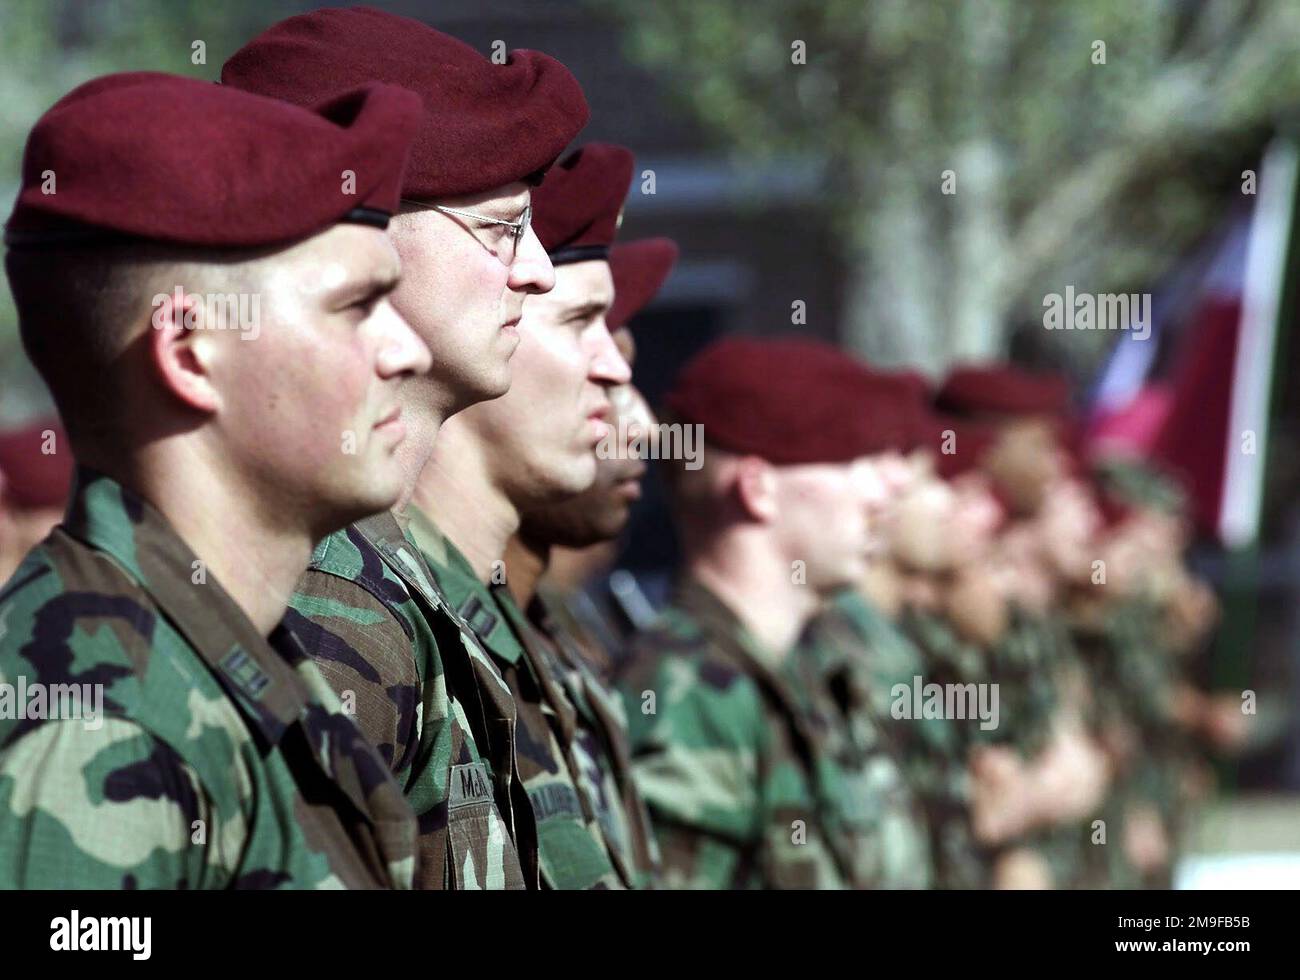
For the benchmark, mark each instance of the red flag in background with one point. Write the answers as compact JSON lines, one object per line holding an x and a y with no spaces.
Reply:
{"x":1190,"y":444}
{"x":1206,"y":419}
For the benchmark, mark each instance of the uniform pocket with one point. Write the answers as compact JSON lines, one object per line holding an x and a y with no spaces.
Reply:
{"x":483,"y":857}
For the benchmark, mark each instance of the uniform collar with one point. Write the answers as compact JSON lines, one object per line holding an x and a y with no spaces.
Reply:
{"x":861,"y":611}
{"x":385,"y":534}
{"x":726,"y":632}
{"x":723,"y":625}
{"x":543,"y":659}
{"x":472,"y":600}
{"x":118,"y":522}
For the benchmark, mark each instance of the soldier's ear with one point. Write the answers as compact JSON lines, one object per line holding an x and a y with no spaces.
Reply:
{"x":180,"y":351}
{"x":756,"y":489}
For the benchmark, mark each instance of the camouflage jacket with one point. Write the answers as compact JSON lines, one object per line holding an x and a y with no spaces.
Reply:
{"x":573,"y":849}
{"x":577,"y":614}
{"x":1030,"y":665}
{"x":1024,"y":669}
{"x":941,"y":761}
{"x":880,"y":819}
{"x":385,"y":637}
{"x":219,"y":759}
{"x":1133,"y":677}
{"x":726,"y":757}
{"x":600,"y":749}
{"x":880,"y":664}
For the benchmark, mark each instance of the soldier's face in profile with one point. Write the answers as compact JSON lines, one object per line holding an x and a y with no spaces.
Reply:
{"x":601,"y":512}
{"x":976,"y":516}
{"x":542,"y":434}
{"x":888,"y":477}
{"x":1068,"y":525}
{"x":1025,"y":459}
{"x":921,"y":533}
{"x":463,"y":288}
{"x":823,"y":520}
{"x":311,"y":405}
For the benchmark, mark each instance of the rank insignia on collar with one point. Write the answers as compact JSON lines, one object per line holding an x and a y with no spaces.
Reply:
{"x":244,"y":673}
{"x":480,"y":619}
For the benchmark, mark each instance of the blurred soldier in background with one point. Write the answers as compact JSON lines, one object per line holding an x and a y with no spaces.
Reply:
{"x":369,"y":610}
{"x":1137,"y":634}
{"x":35,"y":477}
{"x":772,"y":520}
{"x":1038,"y":773}
{"x":927,"y":535}
{"x":849,"y":660}
{"x":531,"y":448}
{"x":1114,"y":674}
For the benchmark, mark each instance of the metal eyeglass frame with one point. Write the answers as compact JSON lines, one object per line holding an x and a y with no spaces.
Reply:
{"x":519,"y":227}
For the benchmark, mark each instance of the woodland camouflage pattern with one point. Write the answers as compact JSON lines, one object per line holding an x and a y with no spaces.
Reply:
{"x":1133,"y":676}
{"x":881,"y":818}
{"x":567,"y":789}
{"x":204,"y":721}
{"x":1028,"y":665}
{"x":960,"y":862}
{"x":1033,"y":665}
{"x":384,"y":636}
{"x":926,"y":748}
{"x":727,"y":759}
{"x":600,"y":749}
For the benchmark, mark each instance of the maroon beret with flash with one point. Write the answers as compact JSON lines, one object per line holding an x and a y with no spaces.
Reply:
{"x":172,"y":159}
{"x":640,"y":269}
{"x":577,"y":210}
{"x":484,"y":125}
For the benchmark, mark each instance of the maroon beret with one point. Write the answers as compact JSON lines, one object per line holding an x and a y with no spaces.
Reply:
{"x":916,"y":382}
{"x":484,"y":125}
{"x":577,"y":210}
{"x":889,"y":407}
{"x":1002,"y":389}
{"x":148,"y":155}
{"x":788,"y":400}
{"x":29,"y":477}
{"x":640,"y":269}
{"x":967,"y":440}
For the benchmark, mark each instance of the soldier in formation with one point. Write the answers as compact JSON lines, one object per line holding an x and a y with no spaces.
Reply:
{"x":315,"y":614}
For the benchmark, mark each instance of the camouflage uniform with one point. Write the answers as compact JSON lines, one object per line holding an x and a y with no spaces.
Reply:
{"x":600,"y":748}
{"x":604,"y":643}
{"x":584,"y":838}
{"x":385,"y":637}
{"x":1137,"y":482}
{"x":222,"y":760}
{"x":726,"y":758}
{"x":1027,"y":664}
{"x":938,"y":750}
{"x":881,"y":819}
{"x":1133,"y":678}
{"x":1031,"y":665}
{"x":927,"y":748}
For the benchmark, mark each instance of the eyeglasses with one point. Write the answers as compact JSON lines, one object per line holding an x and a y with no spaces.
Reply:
{"x":517,"y":228}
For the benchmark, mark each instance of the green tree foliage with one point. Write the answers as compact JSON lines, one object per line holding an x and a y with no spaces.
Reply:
{"x":1067,"y":169}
